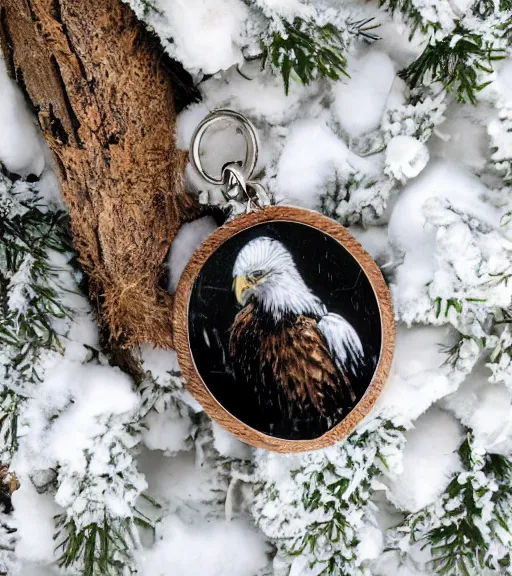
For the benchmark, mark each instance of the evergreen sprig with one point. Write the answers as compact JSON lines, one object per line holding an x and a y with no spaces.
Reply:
{"x":321,"y":510}
{"x":9,"y":413}
{"x":27,"y":235}
{"x":412,"y":15}
{"x":29,"y":298}
{"x":98,"y":530}
{"x":455,"y":62}
{"x":104,"y":549}
{"x":486,"y":8}
{"x":327,"y":491}
{"x":469,"y":529}
{"x":456,"y":57}
{"x":304,"y":50}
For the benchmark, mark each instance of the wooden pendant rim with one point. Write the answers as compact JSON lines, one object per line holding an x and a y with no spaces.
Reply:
{"x":198,"y":388}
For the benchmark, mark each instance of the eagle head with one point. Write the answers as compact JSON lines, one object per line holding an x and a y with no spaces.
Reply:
{"x":264,"y":271}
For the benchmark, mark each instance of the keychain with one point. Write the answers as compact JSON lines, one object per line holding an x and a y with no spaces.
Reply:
{"x":286,"y":330}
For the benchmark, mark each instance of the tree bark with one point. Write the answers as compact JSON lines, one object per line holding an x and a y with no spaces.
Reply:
{"x":104,"y":101}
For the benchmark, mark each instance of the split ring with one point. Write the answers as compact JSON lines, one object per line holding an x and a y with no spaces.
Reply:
{"x":251,"y":139}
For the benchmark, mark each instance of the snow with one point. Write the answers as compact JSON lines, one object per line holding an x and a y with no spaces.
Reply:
{"x":189,"y":238}
{"x":166,"y":431}
{"x":419,"y":375}
{"x":359,"y":102}
{"x":159,"y":362}
{"x":406,"y":157}
{"x":228,"y":445}
{"x":258,"y":95}
{"x":184,"y":542}
{"x":428,"y":206}
{"x":429,"y":462}
{"x":375,"y":241}
{"x":178,"y":482}
{"x":486,"y":409}
{"x":204,"y":34}
{"x":399,"y":45}
{"x":217,"y":548}
{"x":33,"y":519}
{"x":462,"y":138}
{"x":312,"y":155}
{"x":370,"y":543}
{"x":93,"y":390}
{"x":420,"y":247}
{"x":21,"y":145}
{"x":407,"y":226}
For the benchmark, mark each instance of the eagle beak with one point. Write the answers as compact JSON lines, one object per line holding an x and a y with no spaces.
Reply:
{"x":240,"y":285}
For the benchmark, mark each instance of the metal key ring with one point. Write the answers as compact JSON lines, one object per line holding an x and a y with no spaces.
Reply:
{"x":251,"y":139}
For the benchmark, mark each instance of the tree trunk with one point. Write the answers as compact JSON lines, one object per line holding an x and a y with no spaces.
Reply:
{"x":104,"y":102}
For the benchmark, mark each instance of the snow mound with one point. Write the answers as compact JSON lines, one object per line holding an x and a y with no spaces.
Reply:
{"x":216,"y":548}
{"x":406,"y":157}
{"x":430,"y":461}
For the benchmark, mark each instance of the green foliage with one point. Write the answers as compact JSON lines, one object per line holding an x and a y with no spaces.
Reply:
{"x":98,"y":529}
{"x":469,"y":529}
{"x":322,"y":509}
{"x":342,"y":192}
{"x":25,"y":242}
{"x":304,"y":51}
{"x":29,"y":299}
{"x":9,"y":413}
{"x":411,"y":13}
{"x":103,"y":549}
{"x":486,"y":8}
{"x":455,"y":62}
{"x":456,"y":58}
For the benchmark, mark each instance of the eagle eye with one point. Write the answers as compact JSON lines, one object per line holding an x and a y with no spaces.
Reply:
{"x":257,"y":274}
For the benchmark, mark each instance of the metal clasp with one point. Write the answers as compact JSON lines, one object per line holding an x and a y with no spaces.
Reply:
{"x":241,"y":193}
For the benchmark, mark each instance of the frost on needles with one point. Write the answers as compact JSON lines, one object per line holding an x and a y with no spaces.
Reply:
{"x":468,"y":529}
{"x":33,"y":241}
{"x":69,"y":421}
{"x":131,"y":477}
{"x":318,"y":508}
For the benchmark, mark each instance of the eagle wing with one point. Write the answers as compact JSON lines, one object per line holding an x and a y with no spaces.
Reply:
{"x":295,"y":370}
{"x":344,"y":344}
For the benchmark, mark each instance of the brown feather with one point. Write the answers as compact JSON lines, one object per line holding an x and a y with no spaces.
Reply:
{"x":296,"y":355}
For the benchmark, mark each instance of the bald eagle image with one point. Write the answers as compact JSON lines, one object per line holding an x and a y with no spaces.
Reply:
{"x":300,"y":361}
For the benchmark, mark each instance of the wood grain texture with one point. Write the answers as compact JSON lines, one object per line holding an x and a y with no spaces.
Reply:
{"x":181,"y":328}
{"x":103,"y":97}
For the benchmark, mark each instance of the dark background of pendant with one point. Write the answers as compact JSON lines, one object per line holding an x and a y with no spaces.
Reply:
{"x":331,"y":273}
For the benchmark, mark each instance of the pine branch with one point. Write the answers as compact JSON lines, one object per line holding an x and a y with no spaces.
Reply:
{"x":98,"y":531}
{"x":355,"y":198}
{"x":305,"y":51}
{"x":469,"y":529}
{"x":461,"y":52}
{"x":29,"y":295}
{"x":102,"y":549}
{"x":321,"y":509}
{"x":411,"y":14}
{"x":455,"y":62}
{"x":486,"y":8}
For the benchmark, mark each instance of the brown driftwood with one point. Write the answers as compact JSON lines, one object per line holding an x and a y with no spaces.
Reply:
{"x":104,"y":102}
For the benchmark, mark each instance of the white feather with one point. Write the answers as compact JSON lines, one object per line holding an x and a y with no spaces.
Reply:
{"x":343,"y":342}
{"x":284,"y":291}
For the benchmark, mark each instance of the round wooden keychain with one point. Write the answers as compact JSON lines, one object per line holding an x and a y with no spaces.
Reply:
{"x":284,"y":324}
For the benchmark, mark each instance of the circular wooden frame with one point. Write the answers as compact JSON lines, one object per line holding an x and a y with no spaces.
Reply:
{"x":195,"y":383}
